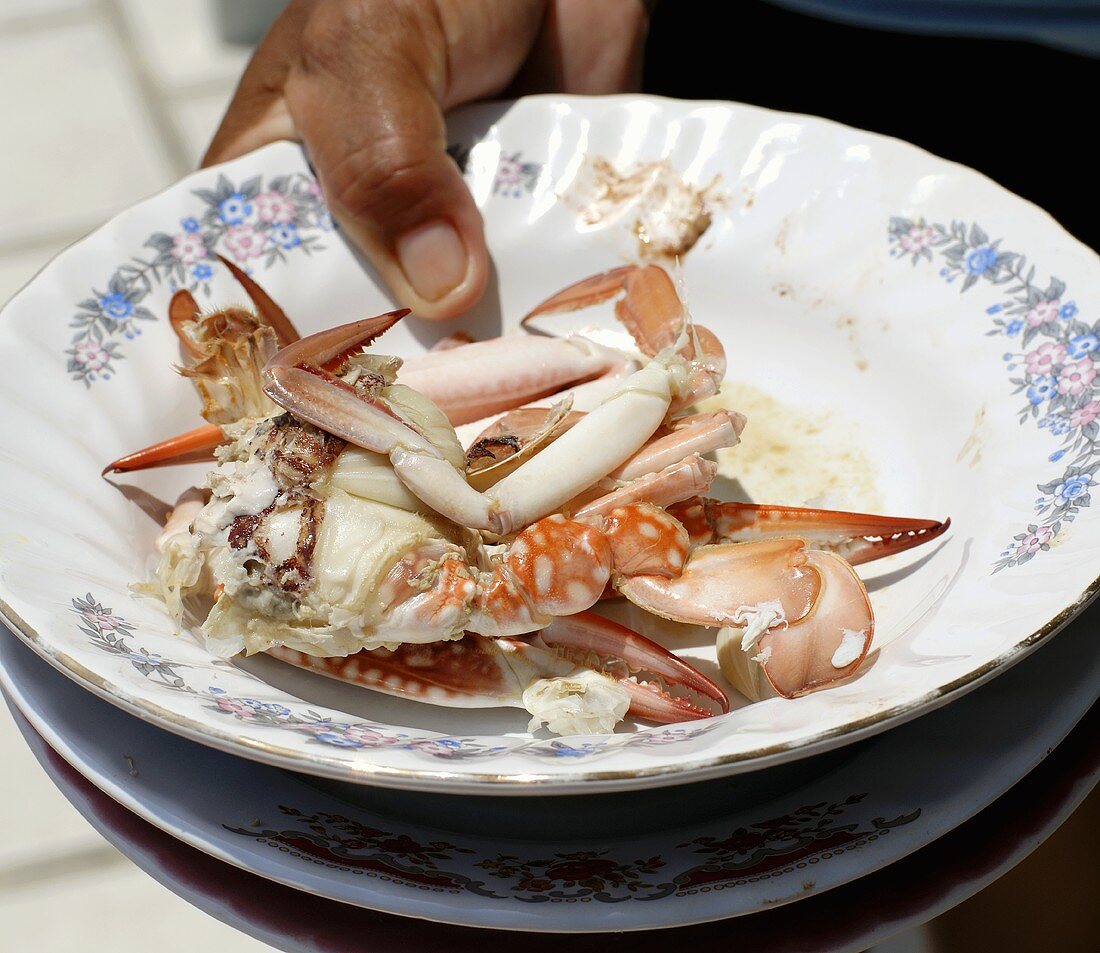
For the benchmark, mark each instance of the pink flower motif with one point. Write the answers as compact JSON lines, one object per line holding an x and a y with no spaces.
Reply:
{"x":368,"y":737}
{"x":509,"y":171}
{"x":314,"y":189}
{"x":234,"y":707}
{"x":90,"y":356}
{"x":1085,"y":415}
{"x":917,"y":239}
{"x":188,"y":247}
{"x":1044,"y":358}
{"x":1033,"y":542}
{"x":244,"y":242}
{"x":1042,"y":313}
{"x":100,"y":620}
{"x":1074,"y":378}
{"x":274,"y":207}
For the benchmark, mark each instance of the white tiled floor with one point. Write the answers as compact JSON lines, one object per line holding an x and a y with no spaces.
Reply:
{"x":80,"y":141}
{"x":104,"y":102}
{"x":181,"y":53}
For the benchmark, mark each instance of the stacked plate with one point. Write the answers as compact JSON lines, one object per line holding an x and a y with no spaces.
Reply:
{"x":904,"y":336}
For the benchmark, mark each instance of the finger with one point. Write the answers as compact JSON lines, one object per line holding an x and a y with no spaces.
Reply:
{"x":258,"y":114}
{"x":365,"y":98}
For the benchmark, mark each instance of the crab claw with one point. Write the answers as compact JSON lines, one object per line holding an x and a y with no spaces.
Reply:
{"x":858,"y":537}
{"x":329,"y":349}
{"x":301,"y":378}
{"x":198,"y":445}
{"x":615,"y":646}
{"x":652,"y":311}
{"x":807,"y":610}
{"x":479,"y":672}
{"x":181,"y":309}
{"x":584,"y":293}
{"x":270,"y":313}
{"x":830,"y":642}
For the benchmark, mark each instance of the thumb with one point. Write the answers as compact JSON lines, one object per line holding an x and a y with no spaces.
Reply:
{"x":376,"y":136}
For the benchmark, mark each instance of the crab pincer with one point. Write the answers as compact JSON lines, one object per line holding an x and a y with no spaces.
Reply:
{"x":858,"y":537}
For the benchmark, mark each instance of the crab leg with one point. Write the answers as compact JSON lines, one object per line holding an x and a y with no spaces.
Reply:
{"x":453,"y":375}
{"x":858,"y":537}
{"x":686,"y":478}
{"x":522,"y":368}
{"x":198,"y":445}
{"x":597,"y":444}
{"x":478,"y":672}
{"x":194,"y":446}
{"x":705,"y":433}
{"x":270,"y":313}
{"x":652,"y":311}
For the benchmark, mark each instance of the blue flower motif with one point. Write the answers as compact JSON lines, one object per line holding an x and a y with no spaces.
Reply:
{"x":189,"y":224}
{"x":202,"y":272}
{"x":1068,"y":310}
{"x":980,"y":260}
{"x":1082,"y":344}
{"x":1059,"y":425}
{"x":285,"y":236}
{"x":1073,"y":488}
{"x":234,"y":209}
{"x":448,"y":743}
{"x":338,"y":741}
{"x":1041,"y":389}
{"x":268,"y":707}
{"x":1013,"y":327}
{"x":116,"y":305}
{"x":152,"y":659}
{"x":1057,"y":455}
{"x":993,"y":308}
{"x":565,"y":751}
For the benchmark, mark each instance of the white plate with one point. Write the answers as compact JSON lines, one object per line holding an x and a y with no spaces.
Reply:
{"x":662,"y":858}
{"x":887,"y":336}
{"x":850,"y":918}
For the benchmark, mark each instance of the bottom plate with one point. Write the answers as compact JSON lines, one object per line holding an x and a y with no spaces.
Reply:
{"x":618,"y":862}
{"x":850,"y":918}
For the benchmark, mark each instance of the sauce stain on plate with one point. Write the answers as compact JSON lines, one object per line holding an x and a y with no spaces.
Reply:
{"x":665,"y":214}
{"x":791,"y":457}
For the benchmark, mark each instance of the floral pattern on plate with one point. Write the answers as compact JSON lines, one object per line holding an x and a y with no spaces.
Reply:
{"x":253,"y":223}
{"x":110,"y":633}
{"x":771,"y":847}
{"x":513,"y":175}
{"x":1054,"y":367}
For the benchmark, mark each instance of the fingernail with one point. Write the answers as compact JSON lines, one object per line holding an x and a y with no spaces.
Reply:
{"x":433,"y":258}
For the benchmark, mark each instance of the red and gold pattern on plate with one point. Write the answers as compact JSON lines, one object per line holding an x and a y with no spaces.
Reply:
{"x":771,"y":847}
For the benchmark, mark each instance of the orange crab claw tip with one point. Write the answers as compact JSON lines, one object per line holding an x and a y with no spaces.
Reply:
{"x":194,"y":446}
{"x":859,"y":537}
{"x":581,"y":294}
{"x":271,"y":313}
{"x":891,"y":544}
{"x":329,"y":348}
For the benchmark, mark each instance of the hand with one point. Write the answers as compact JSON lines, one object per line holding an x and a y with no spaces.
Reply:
{"x":365,"y":83}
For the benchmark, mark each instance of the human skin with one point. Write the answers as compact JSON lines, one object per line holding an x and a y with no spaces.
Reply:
{"x":365,"y":84}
